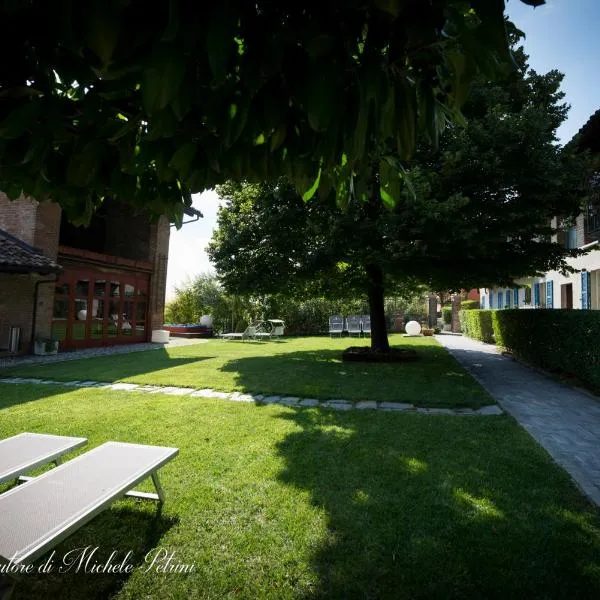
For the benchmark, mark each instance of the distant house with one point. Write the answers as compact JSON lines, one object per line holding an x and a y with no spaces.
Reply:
{"x":580,"y":290}
{"x":85,"y":287}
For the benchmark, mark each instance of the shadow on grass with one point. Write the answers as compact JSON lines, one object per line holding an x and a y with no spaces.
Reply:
{"x":424,"y":508}
{"x":13,"y":394}
{"x":120,"y":530}
{"x":104,"y":368}
{"x":436,"y":379}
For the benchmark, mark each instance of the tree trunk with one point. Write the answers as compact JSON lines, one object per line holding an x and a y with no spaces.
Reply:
{"x":379,"y":338}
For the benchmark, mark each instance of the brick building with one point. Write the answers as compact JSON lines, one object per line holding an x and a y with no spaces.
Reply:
{"x":99,"y":285}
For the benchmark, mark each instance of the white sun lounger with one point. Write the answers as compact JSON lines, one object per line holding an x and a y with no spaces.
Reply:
{"x":26,"y":451}
{"x":36,"y":516}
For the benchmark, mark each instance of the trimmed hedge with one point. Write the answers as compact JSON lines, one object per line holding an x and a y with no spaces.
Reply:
{"x":469,"y":305}
{"x":447,"y":314}
{"x":557,"y":340}
{"x":477,"y":324}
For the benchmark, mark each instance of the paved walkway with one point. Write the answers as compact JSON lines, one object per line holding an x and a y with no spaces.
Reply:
{"x":565,"y":421}
{"x":30,"y":359}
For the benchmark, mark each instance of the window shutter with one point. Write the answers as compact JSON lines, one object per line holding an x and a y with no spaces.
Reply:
{"x":585,"y":290}
{"x":549,"y":294}
{"x":500,"y":300}
{"x":536,"y":294}
{"x":516,"y":297}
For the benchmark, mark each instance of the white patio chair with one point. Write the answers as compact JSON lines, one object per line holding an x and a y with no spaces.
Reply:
{"x":336,"y":325}
{"x":353,"y":325}
{"x":366,"y":324}
{"x":38,"y":515}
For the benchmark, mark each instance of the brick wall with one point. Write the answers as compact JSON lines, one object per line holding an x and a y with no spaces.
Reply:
{"x":580,"y":227}
{"x":128,"y":234}
{"x":159,"y":255}
{"x":16,"y":305}
{"x":18,"y":217}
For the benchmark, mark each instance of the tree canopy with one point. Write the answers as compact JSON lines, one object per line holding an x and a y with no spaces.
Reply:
{"x":150,"y":102}
{"x":479,"y":212}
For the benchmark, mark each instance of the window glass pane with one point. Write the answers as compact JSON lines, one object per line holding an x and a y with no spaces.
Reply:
{"x":114,"y":288}
{"x":62,"y":288}
{"x":98,"y":309}
{"x":96,"y":329}
{"x":80,"y":313}
{"x":78,"y":330}
{"x":141,"y":311}
{"x":61,"y":307}
{"x":140,"y":329}
{"x":82,"y":287}
{"x":128,"y":315}
{"x":111,"y":328}
{"x":99,"y":287}
{"x":113,"y":310}
{"x":129,"y":290}
{"x":59,"y":331}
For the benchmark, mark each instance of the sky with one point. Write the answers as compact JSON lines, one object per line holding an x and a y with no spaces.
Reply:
{"x":561,"y":34}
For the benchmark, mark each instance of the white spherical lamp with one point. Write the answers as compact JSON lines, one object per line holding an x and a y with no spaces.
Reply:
{"x":206,"y":320}
{"x":413,"y":328}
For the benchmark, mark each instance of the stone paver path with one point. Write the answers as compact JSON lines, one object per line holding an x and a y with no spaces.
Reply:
{"x":565,"y":421}
{"x":337,"y":404}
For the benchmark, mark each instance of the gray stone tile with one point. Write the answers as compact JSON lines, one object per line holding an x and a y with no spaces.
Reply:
{"x":271,"y":399}
{"x":289,"y":401}
{"x":309,"y":402}
{"x":396,"y":406}
{"x":565,"y":421}
{"x":492,"y":409}
{"x":366,"y":405}
{"x":126,"y":387}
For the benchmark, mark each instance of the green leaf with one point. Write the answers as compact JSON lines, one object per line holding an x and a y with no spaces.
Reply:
{"x":104,"y":24}
{"x":183,"y":157}
{"x":20,"y":120}
{"x":162,"y":78}
{"x":83,"y":165}
{"x":278,"y":137}
{"x":406,"y":119}
{"x":390,"y":6}
{"x":308,"y":194}
{"x":389,"y":181}
{"x":220,"y":42}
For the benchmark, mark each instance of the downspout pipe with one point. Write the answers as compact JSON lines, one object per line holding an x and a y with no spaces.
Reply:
{"x":35,"y":306}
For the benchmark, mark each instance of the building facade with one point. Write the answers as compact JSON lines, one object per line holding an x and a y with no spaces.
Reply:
{"x":103,"y":284}
{"x":577,"y":290}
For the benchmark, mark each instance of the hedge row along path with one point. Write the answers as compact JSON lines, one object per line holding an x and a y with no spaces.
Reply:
{"x":491,"y":410}
{"x":564,"y":420}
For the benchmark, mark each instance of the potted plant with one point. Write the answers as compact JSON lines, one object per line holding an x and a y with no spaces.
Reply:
{"x":43,"y":346}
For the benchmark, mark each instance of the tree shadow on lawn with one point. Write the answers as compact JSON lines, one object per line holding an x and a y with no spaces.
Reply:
{"x":121,"y":529}
{"x":14,"y":394}
{"x":440,"y":507}
{"x":435,"y":379}
{"x":104,"y":368}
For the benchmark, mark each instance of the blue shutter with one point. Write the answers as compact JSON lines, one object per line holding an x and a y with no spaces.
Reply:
{"x":585,"y":290}
{"x":516,"y":297}
{"x":550,"y":294}
{"x":500,"y":299}
{"x":536,"y":294}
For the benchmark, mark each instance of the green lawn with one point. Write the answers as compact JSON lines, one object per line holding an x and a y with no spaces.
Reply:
{"x":274,"y":502}
{"x":306,"y":367}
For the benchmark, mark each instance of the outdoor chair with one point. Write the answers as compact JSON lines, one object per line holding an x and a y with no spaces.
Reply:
{"x":353,"y":325}
{"x":39,"y":514}
{"x":336,"y":325}
{"x":248,"y":333}
{"x":27,"y":451}
{"x":366,"y":324}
